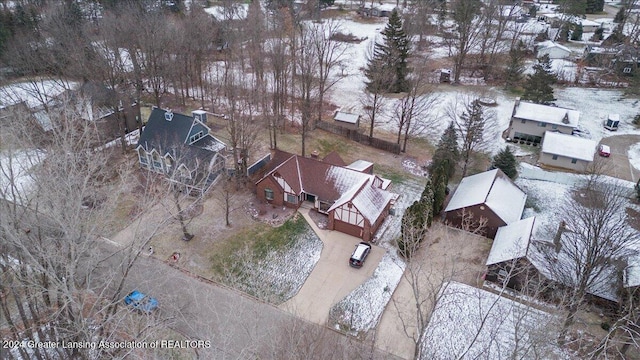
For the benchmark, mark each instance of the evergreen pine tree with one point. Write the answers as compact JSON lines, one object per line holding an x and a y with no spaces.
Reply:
{"x":447,"y":153}
{"x":471,"y":127}
{"x":439,"y":179}
{"x":576,"y":33}
{"x":619,"y":18}
{"x":515,"y":66}
{"x":426,"y":203}
{"x":594,"y":6}
{"x":538,"y":85}
{"x":506,"y":161}
{"x":387,"y":70}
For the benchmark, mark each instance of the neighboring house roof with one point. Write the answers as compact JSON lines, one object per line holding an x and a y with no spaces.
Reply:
{"x":346,"y":117}
{"x":550,"y":44}
{"x":493,"y":189}
{"x":631,"y":274}
{"x":472,"y":323}
{"x":548,"y":114}
{"x":511,"y":241}
{"x":569,"y":146}
{"x":173,"y":137}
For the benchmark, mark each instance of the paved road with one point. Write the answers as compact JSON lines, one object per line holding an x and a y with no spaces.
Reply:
{"x":238,"y":326}
{"x":332,"y":278}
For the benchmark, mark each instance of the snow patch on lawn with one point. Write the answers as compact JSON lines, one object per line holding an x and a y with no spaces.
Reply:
{"x":361,"y":310}
{"x":280,"y":274}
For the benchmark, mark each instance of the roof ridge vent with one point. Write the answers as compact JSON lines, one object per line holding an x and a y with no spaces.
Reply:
{"x":168,"y":115}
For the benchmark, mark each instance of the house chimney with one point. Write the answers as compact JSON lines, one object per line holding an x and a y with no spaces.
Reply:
{"x":515,"y":106}
{"x":557,"y":239}
{"x":315,"y":154}
{"x":565,"y":119}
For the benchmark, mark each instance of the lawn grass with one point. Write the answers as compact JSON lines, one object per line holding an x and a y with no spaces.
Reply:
{"x":390,"y":173}
{"x":258,"y":240}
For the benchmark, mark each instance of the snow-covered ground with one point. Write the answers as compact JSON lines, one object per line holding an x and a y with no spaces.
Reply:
{"x":471,"y":323}
{"x":547,"y":192}
{"x":16,"y":178}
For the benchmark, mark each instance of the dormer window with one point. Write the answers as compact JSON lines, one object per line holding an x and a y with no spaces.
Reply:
{"x":195,"y":137}
{"x":168,"y":116}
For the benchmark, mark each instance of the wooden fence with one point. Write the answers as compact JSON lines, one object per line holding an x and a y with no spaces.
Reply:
{"x":359,"y":137}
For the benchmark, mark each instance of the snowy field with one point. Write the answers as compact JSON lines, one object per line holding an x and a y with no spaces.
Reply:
{"x":347,"y":93}
{"x":470,"y":323}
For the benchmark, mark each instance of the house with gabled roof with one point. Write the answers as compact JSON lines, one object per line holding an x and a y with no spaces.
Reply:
{"x":181,"y":147}
{"x":530,"y":121}
{"x":521,"y":262}
{"x":490,"y":195}
{"x":567,"y":151}
{"x":355,"y":201}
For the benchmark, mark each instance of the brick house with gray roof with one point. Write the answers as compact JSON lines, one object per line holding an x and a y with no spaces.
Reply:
{"x":355,"y":202}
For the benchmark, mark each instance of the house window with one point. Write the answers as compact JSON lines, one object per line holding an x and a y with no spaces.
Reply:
{"x":523,"y":121}
{"x":292,"y":199}
{"x":157,"y":162}
{"x":542,"y":124}
{"x":555,"y":157}
{"x":168,"y":161}
{"x":554,"y":127}
{"x":573,"y":161}
{"x":195,"y":137}
{"x":268,"y":194}
{"x":626,"y":70}
{"x":142,"y":156}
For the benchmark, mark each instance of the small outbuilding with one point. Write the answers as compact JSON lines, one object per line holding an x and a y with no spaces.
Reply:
{"x":348,"y":120}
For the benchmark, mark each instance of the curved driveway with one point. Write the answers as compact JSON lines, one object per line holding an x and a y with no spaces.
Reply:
{"x":620,"y":166}
{"x":332,"y":278}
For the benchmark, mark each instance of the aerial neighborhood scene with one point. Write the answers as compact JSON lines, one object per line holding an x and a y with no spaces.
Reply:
{"x":320,"y":179}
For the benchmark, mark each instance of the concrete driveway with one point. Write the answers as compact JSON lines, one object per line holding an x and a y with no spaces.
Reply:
{"x":332,"y":278}
{"x":618,"y":163}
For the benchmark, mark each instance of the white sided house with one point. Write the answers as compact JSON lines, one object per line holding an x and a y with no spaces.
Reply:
{"x":530,"y":121}
{"x":567,"y":151}
{"x":554,"y":50}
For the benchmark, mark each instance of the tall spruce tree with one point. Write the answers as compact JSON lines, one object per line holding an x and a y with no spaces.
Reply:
{"x":471,"y":127}
{"x":447,"y":153}
{"x":440,"y":180}
{"x":576,"y":32}
{"x":426,"y":201}
{"x":506,"y":161}
{"x":515,"y":66}
{"x":390,"y":57}
{"x":538,"y":85}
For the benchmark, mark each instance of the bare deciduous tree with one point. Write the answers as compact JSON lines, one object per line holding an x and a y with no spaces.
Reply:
{"x":595,"y":237}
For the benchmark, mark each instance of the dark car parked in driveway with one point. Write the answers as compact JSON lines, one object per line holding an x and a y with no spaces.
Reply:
{"x":359,"y":254}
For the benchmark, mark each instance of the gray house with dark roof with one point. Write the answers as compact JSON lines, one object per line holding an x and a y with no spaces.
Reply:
{"x":180,"y":147}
